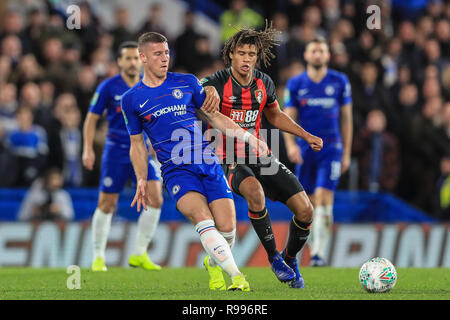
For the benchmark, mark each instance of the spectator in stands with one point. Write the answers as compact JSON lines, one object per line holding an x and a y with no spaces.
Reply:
{"x":27,"y":149}
{"x":238,"y":15}
{"x":11,"y":47}
{"x":46,"y":200}
{"x":35,"y":29}
{"x":202,"y":55}
{"x":442,"y":209}
{"x":153,"y":21}
{"x":30,"y":97}
{"x":5,"y":68}
{"x":294,"y":10}
{"x":71,"y":142}
{"x":8,"y":105}
{"x":378,"y":154}
{"x":85,"y":88}
{"x":185,"y":42}
{"x":121,"y":31}
{"x":100,"y":61}
{"x":48,"y":92}
{"x":63,"y":105}
{"x":368,"y":94}
{"x":13,"y":25}
{"x":89,"y":32}
{"x":442,"y":31}
{"x":28,"y":70}
{"x":446,"y":119}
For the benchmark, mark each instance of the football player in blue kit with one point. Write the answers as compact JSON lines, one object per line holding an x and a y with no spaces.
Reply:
{"x":168,"y":107}
{"x":116,"y":167}
{"x":321,"y":100}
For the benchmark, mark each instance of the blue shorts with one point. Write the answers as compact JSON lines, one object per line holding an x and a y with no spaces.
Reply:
{"x":320,"y":169}
{"x":114,"y":175}
{"x":207,"y":179}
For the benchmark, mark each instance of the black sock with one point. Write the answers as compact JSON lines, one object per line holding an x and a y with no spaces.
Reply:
{"x":298,"y":234}
{"x":263,"y":228}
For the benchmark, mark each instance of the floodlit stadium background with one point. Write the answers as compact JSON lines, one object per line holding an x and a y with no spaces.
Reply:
{"x":52,"y":66}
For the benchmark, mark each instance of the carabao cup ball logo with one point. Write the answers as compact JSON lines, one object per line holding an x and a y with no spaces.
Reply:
{"x":177,"y":93}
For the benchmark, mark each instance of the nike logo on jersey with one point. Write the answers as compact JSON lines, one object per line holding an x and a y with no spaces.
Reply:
{"x":141,"y":105}
{"x":117,"y":97}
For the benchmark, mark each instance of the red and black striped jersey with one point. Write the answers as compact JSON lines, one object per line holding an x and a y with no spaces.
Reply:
{"x":243,"y":104}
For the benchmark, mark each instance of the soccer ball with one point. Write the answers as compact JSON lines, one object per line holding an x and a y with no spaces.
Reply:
{"x":378,"y":275}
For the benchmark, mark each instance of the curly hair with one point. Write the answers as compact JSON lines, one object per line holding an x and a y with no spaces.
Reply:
{"x":264,"y":41}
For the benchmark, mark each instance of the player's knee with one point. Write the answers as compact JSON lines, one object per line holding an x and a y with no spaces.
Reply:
{"x":227,"y":226}
{"x":198,"y":216}
{"x":305,"y":212}
{"x":157,"y":201}
{"x":256,"y":199}
{"x":106,"y":206}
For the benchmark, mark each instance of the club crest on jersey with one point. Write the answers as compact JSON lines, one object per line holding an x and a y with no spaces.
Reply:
{"x":175,"y":189}
{"x":329,"y":90}
{"x":177,"y":94}
{"x":259,"y":95}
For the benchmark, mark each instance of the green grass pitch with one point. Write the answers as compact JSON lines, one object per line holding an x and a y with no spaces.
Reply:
{"x":192,"y":284}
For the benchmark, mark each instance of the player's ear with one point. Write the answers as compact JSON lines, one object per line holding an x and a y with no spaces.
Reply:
{"x":142,"y":57}
{"x":230,"y":55}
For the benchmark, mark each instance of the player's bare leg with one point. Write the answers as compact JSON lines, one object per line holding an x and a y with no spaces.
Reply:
{"x":194,"y":207}
{"x":101,"y":223}
{"x":250,"y":188}
{"x":146,"y":226}
{"x":323,"y":220}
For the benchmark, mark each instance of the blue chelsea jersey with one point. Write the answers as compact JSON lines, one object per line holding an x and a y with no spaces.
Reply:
{"x":168,"y":115}
{"x":107,"y":97}
{"x":318,"y":104}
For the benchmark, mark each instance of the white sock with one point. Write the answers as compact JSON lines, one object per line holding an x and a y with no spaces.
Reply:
{"x":101,"y":223}
{"x":321,"y":229}
{"x":230,"y":237}
{"x":146,"y":226}
{"x":217,"y":247}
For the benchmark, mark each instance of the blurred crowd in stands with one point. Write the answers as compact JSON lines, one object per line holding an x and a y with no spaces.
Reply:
{"x":400,"y":76}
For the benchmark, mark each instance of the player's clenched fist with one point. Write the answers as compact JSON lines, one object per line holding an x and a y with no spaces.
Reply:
{"x":314,"y":142}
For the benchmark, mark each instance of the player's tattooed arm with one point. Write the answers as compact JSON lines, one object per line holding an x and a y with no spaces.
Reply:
{"x":284,"y":122}
{"x":89,"y":126}
{"x":228,"y":127}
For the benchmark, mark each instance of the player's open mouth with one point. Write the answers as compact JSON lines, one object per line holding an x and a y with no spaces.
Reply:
{"x":245,"y":68}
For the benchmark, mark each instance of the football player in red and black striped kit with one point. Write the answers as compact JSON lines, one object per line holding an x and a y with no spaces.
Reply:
{"x":245,"y":94}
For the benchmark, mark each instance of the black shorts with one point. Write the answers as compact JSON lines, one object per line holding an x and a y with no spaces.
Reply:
{"x":278,"y":186}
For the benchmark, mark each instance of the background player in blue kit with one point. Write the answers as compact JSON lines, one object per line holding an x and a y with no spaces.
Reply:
{"x":321,"y":101}
{"x":116,"y":166}
{"x":166,"y":106}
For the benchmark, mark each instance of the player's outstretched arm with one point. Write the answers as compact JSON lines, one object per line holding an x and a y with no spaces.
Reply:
{"x":228,"y":127}
{"x":282,"y":121}
{"x":90,"y":123}
{"x":139,"y":158}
